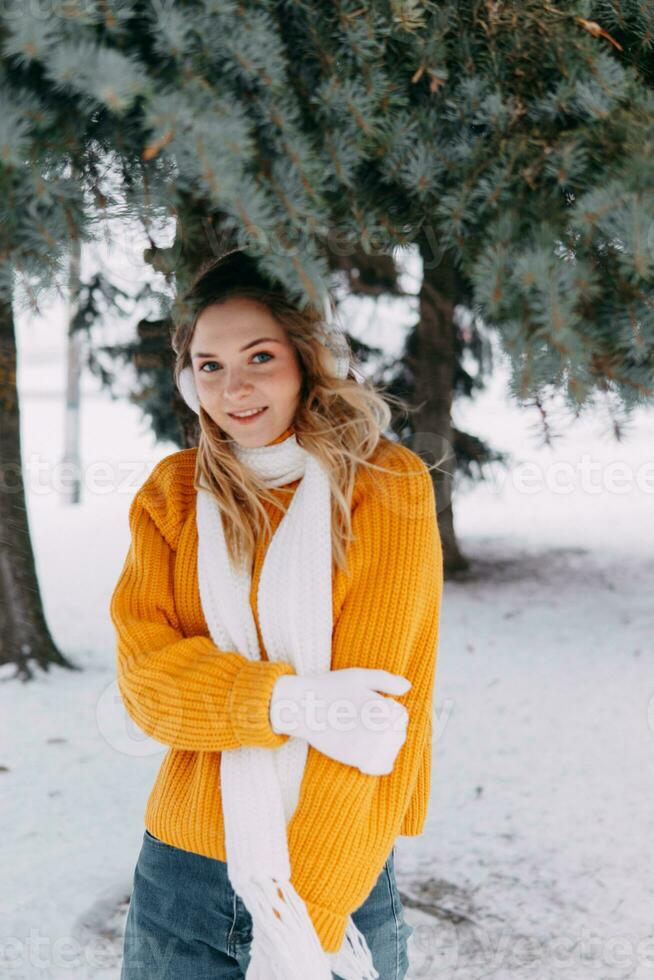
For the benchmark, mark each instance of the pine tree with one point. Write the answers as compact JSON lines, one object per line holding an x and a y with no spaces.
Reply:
{"x":510,"y":142}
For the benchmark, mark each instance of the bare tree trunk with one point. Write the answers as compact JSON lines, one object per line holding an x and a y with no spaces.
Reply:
{"x":434,"y":367}
{"x":72,"y":491}
{"x":24,"y":636}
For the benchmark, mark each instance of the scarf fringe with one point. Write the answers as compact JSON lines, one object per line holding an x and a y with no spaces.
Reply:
{"x":285,"y":945}
{"x":353,"y":961}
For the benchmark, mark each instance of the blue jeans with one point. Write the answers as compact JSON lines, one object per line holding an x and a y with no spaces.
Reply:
{"x":185,"y":922}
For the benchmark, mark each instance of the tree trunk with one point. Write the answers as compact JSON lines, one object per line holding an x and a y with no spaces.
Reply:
{"x":24,"y":636}
{"x":434,"y":371}
{"x":72,"y":492}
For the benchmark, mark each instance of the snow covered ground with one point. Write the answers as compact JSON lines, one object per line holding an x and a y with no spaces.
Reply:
{"x":537,"y":858}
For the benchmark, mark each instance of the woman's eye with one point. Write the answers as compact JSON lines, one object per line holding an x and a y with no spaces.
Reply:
{"x":258,"y":354}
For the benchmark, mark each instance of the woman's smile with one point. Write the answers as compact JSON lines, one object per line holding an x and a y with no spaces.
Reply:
{"x":251,"y":416}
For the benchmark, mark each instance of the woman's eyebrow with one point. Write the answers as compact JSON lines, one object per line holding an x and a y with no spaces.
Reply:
{"x":274,"y":340}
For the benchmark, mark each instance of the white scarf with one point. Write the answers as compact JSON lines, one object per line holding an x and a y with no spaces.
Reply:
{"x":260,"y":786}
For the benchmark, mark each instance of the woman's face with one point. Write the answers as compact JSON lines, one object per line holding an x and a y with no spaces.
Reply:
{"x":243,"y":359}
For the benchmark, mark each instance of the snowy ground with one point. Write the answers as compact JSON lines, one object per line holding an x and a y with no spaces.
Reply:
{"x":536,"y":860}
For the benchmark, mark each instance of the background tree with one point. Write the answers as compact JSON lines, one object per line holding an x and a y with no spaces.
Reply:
{"x":512,"y":179}
{"x":510,"y":142}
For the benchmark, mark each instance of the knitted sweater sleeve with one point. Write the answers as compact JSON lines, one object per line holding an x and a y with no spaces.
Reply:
{"x":182,"y":691}
{"x":346,"y":822}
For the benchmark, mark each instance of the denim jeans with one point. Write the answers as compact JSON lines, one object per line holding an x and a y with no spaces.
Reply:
{"x":185,"y":922}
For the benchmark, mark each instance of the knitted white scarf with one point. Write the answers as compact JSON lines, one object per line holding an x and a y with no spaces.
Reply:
{"x":260,"y":786}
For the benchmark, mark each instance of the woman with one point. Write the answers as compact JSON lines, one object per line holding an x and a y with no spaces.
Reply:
{"x":285,"y":569}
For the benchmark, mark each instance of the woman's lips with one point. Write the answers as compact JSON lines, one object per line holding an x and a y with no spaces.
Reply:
{"x":248,"y":418}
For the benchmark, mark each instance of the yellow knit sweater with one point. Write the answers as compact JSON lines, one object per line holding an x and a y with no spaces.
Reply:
{"x":181,"y":690}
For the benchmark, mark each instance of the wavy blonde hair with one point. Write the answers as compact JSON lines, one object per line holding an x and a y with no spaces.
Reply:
{"x":340,"y":421}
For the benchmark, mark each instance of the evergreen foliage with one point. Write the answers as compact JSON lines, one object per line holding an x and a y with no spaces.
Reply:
{"x":517,"y":138}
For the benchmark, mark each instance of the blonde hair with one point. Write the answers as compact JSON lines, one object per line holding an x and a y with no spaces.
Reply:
{"x":340,"y":421}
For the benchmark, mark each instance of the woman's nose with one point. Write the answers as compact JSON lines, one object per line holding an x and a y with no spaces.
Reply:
{"x":234,"y":381}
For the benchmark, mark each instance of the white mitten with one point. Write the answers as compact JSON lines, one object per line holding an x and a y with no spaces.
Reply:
{"x":341,"y":715}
